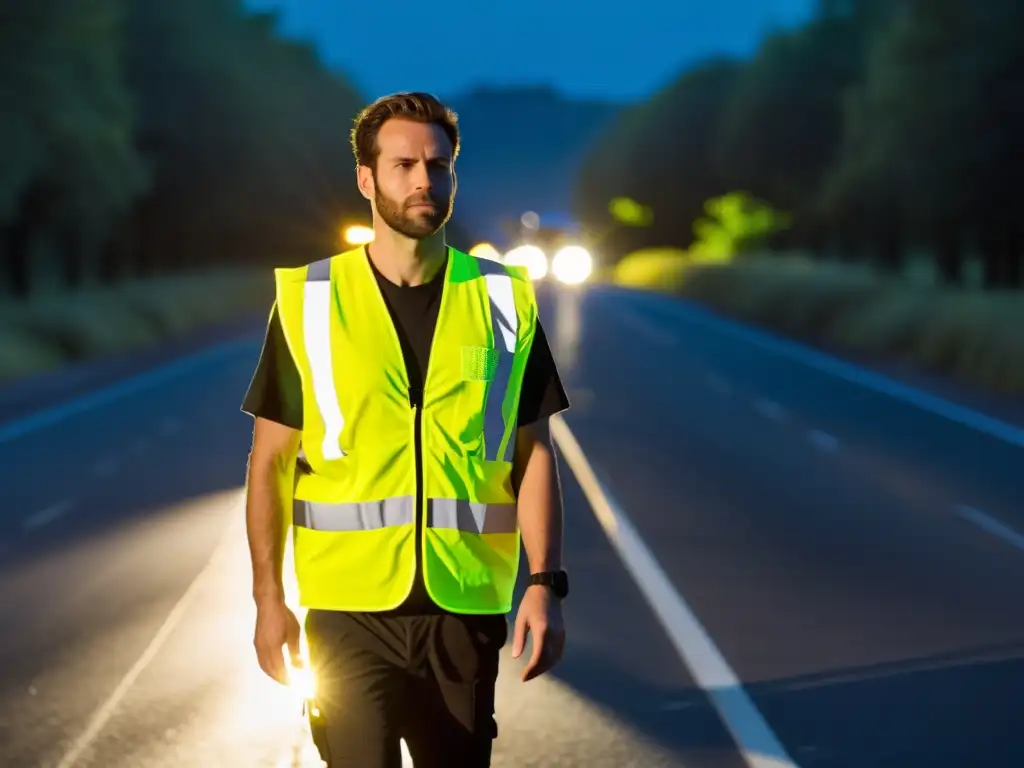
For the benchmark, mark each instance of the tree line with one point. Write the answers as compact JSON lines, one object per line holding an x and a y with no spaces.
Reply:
{"x":880,"y":128}
{"x":143,"y":136}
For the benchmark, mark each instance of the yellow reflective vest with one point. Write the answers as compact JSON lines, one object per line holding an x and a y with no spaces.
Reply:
{"x":355,"y":496}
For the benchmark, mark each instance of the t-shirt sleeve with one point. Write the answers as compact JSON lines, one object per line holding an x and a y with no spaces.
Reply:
{"x":275,"y":392}
{"x":543,"y":394}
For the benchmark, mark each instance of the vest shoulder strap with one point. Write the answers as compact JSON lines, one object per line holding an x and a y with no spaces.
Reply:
{"x":490,"y":267}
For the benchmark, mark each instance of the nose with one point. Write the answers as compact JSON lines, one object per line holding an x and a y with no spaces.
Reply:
{"x":421,"y":177}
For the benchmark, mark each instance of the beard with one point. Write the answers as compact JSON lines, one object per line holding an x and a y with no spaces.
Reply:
{"x":418,"y":223}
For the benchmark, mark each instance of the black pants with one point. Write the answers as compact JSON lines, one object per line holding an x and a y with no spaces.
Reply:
{"x":426,"y":679}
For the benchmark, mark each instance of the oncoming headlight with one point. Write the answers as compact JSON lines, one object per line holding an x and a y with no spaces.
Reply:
{"x":572,"y":265}
{"x":531,"y":257}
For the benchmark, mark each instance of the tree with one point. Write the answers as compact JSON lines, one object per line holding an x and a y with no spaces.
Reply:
{"x":247,"y":135}
{"x":67,"y":109}
{"x":659,"y":154}
{"x":931,"y":130}
{"x":783,"y":121}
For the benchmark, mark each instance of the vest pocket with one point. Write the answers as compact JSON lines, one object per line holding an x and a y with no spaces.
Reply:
{"x":479,"y":363}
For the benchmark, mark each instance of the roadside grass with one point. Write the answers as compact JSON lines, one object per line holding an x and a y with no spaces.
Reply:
{"x":970,"y":334}
{"x":52,"y":330}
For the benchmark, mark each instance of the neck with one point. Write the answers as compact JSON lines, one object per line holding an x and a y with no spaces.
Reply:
{"x":405,"y":261}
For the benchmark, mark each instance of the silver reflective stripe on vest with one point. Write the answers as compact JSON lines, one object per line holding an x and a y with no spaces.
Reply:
{"x":471,"y":516}
{"x":505,"y":324}
{"x":316,"y":330}
{"x":355,"y":516}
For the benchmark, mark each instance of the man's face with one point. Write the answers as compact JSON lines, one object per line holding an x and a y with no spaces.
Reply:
{"x":413,"y":186}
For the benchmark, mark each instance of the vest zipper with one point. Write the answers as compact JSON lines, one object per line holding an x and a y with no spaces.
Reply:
{"x":416,"y":398}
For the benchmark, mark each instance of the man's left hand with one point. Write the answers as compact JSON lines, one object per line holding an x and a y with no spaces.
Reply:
{"x":540,"y":614}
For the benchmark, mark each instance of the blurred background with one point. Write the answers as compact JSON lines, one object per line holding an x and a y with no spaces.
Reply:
{"x":778,"y":246}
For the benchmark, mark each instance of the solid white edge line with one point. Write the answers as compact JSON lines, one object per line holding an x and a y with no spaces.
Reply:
{"x":102,"y":715}
{"x":754,"y":738}
{"x":841,"y":369}
{"x":122,"y":388}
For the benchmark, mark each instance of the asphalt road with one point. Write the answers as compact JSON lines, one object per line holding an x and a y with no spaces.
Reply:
{"x":852,"y":563}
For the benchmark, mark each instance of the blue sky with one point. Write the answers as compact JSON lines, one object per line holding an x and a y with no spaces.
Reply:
{"x":586,"y":48}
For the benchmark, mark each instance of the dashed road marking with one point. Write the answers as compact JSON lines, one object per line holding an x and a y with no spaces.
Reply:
{"x":823,"y":440}
{"x":770,"y":409}
{"x":645,"y":326}
{"x":779,"y":345}
{"x":990,"y":525}
{"x":47,"y":515}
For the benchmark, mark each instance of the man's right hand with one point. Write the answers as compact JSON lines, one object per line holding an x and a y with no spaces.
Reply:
{"x":276,"y":628}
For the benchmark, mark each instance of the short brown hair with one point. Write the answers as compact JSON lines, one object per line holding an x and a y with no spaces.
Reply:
{"x":421,"y":107}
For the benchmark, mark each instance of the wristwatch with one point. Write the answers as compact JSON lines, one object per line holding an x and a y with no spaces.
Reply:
{"x":556,"y":581}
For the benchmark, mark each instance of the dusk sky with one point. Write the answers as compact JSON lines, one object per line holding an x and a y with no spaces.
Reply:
{"x":589,"y":48}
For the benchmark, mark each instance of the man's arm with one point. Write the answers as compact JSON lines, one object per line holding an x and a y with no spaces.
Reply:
{"x":535,"y":478}
{"x":268,"y":505}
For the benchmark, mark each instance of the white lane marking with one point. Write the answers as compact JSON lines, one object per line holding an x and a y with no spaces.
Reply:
{"x":754,"y":737}
{"x":770,"y":409}
{"x":719,"y":384}
{"x":823,"y":440}
{"x":47,"y":515}
{"x":106,"y":466}
{"x":106,"y":710}
{"x":646,"y":327}
{"x":812,"y":358}
{"x":123,"y":388}
{"x":991,"y":525}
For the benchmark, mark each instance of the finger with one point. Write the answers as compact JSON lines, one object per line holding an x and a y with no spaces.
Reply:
{"x":519,"y":639}
{"x":537,"y":657}
{"x":294,"y":649}
{"x":552,"y":648}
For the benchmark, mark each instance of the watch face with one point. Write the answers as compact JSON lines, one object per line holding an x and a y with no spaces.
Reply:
{"x":560,"y":584}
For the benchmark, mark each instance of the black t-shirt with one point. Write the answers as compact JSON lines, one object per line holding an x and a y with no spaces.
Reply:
{"x":275,"y":392}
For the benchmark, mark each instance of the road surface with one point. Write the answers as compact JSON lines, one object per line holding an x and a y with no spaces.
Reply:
{"x":773,"y":565}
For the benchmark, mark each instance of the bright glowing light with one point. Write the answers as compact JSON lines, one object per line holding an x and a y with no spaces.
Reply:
{"x":485,"y":251}
{"x":572,"y":265}
{"x":302,"y":681}
{"x":359,"y":235}
{"x":531,"y":257}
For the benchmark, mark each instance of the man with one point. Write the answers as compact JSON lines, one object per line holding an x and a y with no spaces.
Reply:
{"x":401,"y":405}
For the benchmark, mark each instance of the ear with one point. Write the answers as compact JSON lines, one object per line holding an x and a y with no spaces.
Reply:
{"x":364,"y":180}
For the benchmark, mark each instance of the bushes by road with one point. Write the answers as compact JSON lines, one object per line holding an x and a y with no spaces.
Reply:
{"x":879,"y":127}
{"x":973,"y":335}
{"x":51,"y":331}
